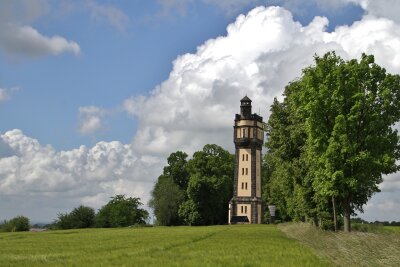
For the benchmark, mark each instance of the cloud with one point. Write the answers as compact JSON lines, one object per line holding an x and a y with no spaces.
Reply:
{"x":378,"y":8}
{"x":18,"y":38}
{"x":38,"y":173}
{"x":23,"y":11}
{"x":382,"y":207}
{"x":90,"y":119}
{"x":167,"y":6}
{"x":27,"y":41}
{"x":116,"y":17}
{"x":381,"y":8}
{"x":5,"y":94}
{"x":232,"y":6}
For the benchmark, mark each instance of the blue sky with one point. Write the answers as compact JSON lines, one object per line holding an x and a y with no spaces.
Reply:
{"x":97,"y":85}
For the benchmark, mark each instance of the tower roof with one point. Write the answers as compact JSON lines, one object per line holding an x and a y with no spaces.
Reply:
{"x":245,"y":99}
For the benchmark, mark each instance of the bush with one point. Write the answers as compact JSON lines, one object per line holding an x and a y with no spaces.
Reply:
{"x":16,"y":224}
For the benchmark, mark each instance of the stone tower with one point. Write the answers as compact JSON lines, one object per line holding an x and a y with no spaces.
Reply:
{"x":248,"y":135}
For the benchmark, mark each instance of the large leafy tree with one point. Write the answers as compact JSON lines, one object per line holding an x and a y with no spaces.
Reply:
{"x":345,"y":111}
{"x":121,"y":211}
{"x":165,"y":201}
{"x":170,"y":189}
{"x":210,"y":187}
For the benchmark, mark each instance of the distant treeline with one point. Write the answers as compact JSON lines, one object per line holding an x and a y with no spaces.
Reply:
{"x":120,"y":211}
{"x":384,"y":223}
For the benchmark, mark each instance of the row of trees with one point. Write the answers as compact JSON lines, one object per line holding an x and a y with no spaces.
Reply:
{"x":194,"y":192}
{"x":331,"y":139}
{"x":120,"y":211}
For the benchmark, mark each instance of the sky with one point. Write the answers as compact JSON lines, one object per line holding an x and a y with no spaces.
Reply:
{"x":94,"y":95}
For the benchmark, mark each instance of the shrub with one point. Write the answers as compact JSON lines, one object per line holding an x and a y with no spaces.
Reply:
{"x":16,"y":224}
{"x":80,"y":217}
{"x":121,"y":212}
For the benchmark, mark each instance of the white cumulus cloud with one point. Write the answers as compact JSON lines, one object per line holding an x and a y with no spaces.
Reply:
{"x":5,"y":93}
{"x":38,"y":173}
{"x":115,"y":16}
{"x":90,"y":119}
{"x":17,"y":37}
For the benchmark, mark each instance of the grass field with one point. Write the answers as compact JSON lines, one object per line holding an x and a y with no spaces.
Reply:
{"x":393,"y":228}
{"x":381,"y":248}
{"x":241,"y":245}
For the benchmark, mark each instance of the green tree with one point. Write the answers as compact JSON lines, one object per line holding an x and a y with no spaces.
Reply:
{"x":121,"y":211}
{"x":347,"y":110}
{"x":286,"y":183}
{"x":165,"y":201}
{"x":176,"y":169}
{"x":210,"y":187}
{"x":80,"y":217}
{"x":169,"y":190}
{"x":16,"y":224}
{"x":63,"y":221}
{"x":83,"y":217}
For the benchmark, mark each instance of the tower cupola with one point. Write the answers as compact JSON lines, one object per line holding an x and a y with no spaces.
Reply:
{"x":245,"y":107}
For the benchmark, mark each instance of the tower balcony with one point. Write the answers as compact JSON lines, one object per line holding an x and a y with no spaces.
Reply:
{"x":247,"y":142}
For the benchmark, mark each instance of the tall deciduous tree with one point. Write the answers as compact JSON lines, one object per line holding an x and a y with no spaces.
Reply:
{"x":347,"y":111}
{"x":210,"y":187}
{"x":165,"y":201}
{"x":170,"y":189}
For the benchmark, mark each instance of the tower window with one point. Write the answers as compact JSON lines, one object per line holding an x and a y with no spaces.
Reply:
{"x":242,"y":185}
{"x":242,"y":171}
{"x":244,"y":132}
{"x":247,"y":157}
{"x":245,"y":185}
{"x":245,"y":209}
{"x":247,"y":171}
{"x":241,"y":209}
{"x":243,"y":157}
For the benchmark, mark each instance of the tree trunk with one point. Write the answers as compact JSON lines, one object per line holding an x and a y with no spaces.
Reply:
{"x":315,"y":221}
{"x":346,"y":216}
{"x":334,"y":214}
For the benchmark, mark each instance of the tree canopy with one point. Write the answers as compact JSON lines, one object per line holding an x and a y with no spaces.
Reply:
{"x":16,"y":224}
{"x":194,"y":192}
{"x":332,"y":138}
{"x":121,"y":211}
{"x":80,"y":217}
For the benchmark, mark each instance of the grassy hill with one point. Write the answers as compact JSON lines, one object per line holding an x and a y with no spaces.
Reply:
{"x":241,"y":245}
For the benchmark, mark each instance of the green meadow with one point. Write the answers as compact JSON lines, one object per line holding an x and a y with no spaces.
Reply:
{"x":240,"y":245}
